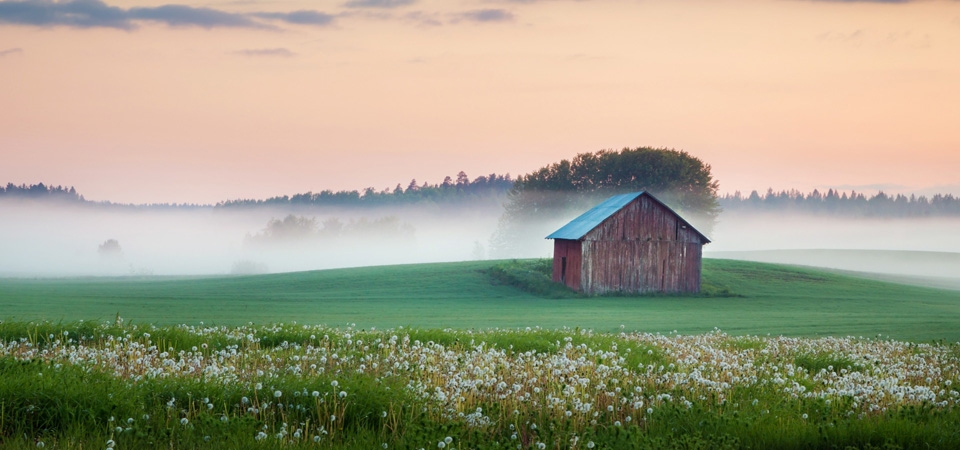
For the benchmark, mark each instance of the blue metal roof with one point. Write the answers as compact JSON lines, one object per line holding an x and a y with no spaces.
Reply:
{"x":579,"y":227}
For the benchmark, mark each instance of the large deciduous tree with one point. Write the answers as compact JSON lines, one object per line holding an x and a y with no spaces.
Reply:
{"x":561,"y":190}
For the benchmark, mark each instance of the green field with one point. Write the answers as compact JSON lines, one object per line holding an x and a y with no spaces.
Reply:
{"x":776,"y":300}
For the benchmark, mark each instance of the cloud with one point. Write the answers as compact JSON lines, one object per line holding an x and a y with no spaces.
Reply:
{"x":76,"y":13}
{"x":377,"y":3}
{"x":487,"y":15}
{"x":423,"y":19}
{"x":301,"y":17}
{"x":277,"y":52}
{"x":11,"y":51}
{"x":180,"y":15}
{"x":97,"y":14}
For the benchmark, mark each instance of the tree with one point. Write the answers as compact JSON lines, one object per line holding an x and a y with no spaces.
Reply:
{"x":561,"y":189}
{"x":110,"y":248}
{"x":462,"y":179}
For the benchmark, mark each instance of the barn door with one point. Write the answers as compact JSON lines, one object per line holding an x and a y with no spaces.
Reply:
{"x":563,"y":269}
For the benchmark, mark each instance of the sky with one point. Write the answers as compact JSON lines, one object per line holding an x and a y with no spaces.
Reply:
{"x":141,"y":101}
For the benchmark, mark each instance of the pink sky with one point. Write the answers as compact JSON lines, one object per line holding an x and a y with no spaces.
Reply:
{"x":135,"y":101}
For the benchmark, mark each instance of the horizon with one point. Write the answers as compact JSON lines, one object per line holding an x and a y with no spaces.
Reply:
{"x":137,"y":102}
{"x":763,"y":193}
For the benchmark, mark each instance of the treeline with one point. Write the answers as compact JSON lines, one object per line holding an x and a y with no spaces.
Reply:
{"x":839,"y":203}
{"x":461,"y":189}
{"x":451,"y":190}
{"x":40,"y":191}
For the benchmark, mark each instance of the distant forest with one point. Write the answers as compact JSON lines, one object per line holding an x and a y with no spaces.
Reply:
{"x":463,"y":190}
{"x":842,"y":204}
{"x":40,"y":191}
{"x":450,"y":191}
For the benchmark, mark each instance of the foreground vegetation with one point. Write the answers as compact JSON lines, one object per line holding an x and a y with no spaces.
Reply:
{"x":82,"y":385}
{"x":765,"y":298}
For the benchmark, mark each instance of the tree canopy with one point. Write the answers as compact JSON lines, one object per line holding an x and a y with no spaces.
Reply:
{"x":677,"y":178}
{"x":564,"y":188}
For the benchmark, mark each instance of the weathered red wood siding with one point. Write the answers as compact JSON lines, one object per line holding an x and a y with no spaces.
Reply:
{"x":569,"y":249}
{"x":644,"y":247}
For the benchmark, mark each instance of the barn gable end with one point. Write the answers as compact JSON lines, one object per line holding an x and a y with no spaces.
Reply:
{"x":629,"y":243}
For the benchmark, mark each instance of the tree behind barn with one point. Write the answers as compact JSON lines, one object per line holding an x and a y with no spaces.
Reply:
{"x":557,"y":192}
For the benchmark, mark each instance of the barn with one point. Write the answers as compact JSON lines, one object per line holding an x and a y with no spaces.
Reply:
{"x":629,"y":243}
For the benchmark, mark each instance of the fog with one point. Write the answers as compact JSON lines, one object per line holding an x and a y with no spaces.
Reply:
{"x":65,"y":240}
{"x":49,"y":239}
{"x":920,"y":247}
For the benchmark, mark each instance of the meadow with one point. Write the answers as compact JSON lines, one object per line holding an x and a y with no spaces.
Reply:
{"x":770,"y":299}
{"x":449,"y":356}
{"x":113,"y":385}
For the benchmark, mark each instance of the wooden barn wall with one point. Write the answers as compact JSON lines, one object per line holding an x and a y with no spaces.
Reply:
{"x":564,"y":248}
{"x":641,"y":248}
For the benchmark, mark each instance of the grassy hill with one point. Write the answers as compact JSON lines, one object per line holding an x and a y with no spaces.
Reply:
{"x":774,"y":299}
{"x":935,"y":269}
